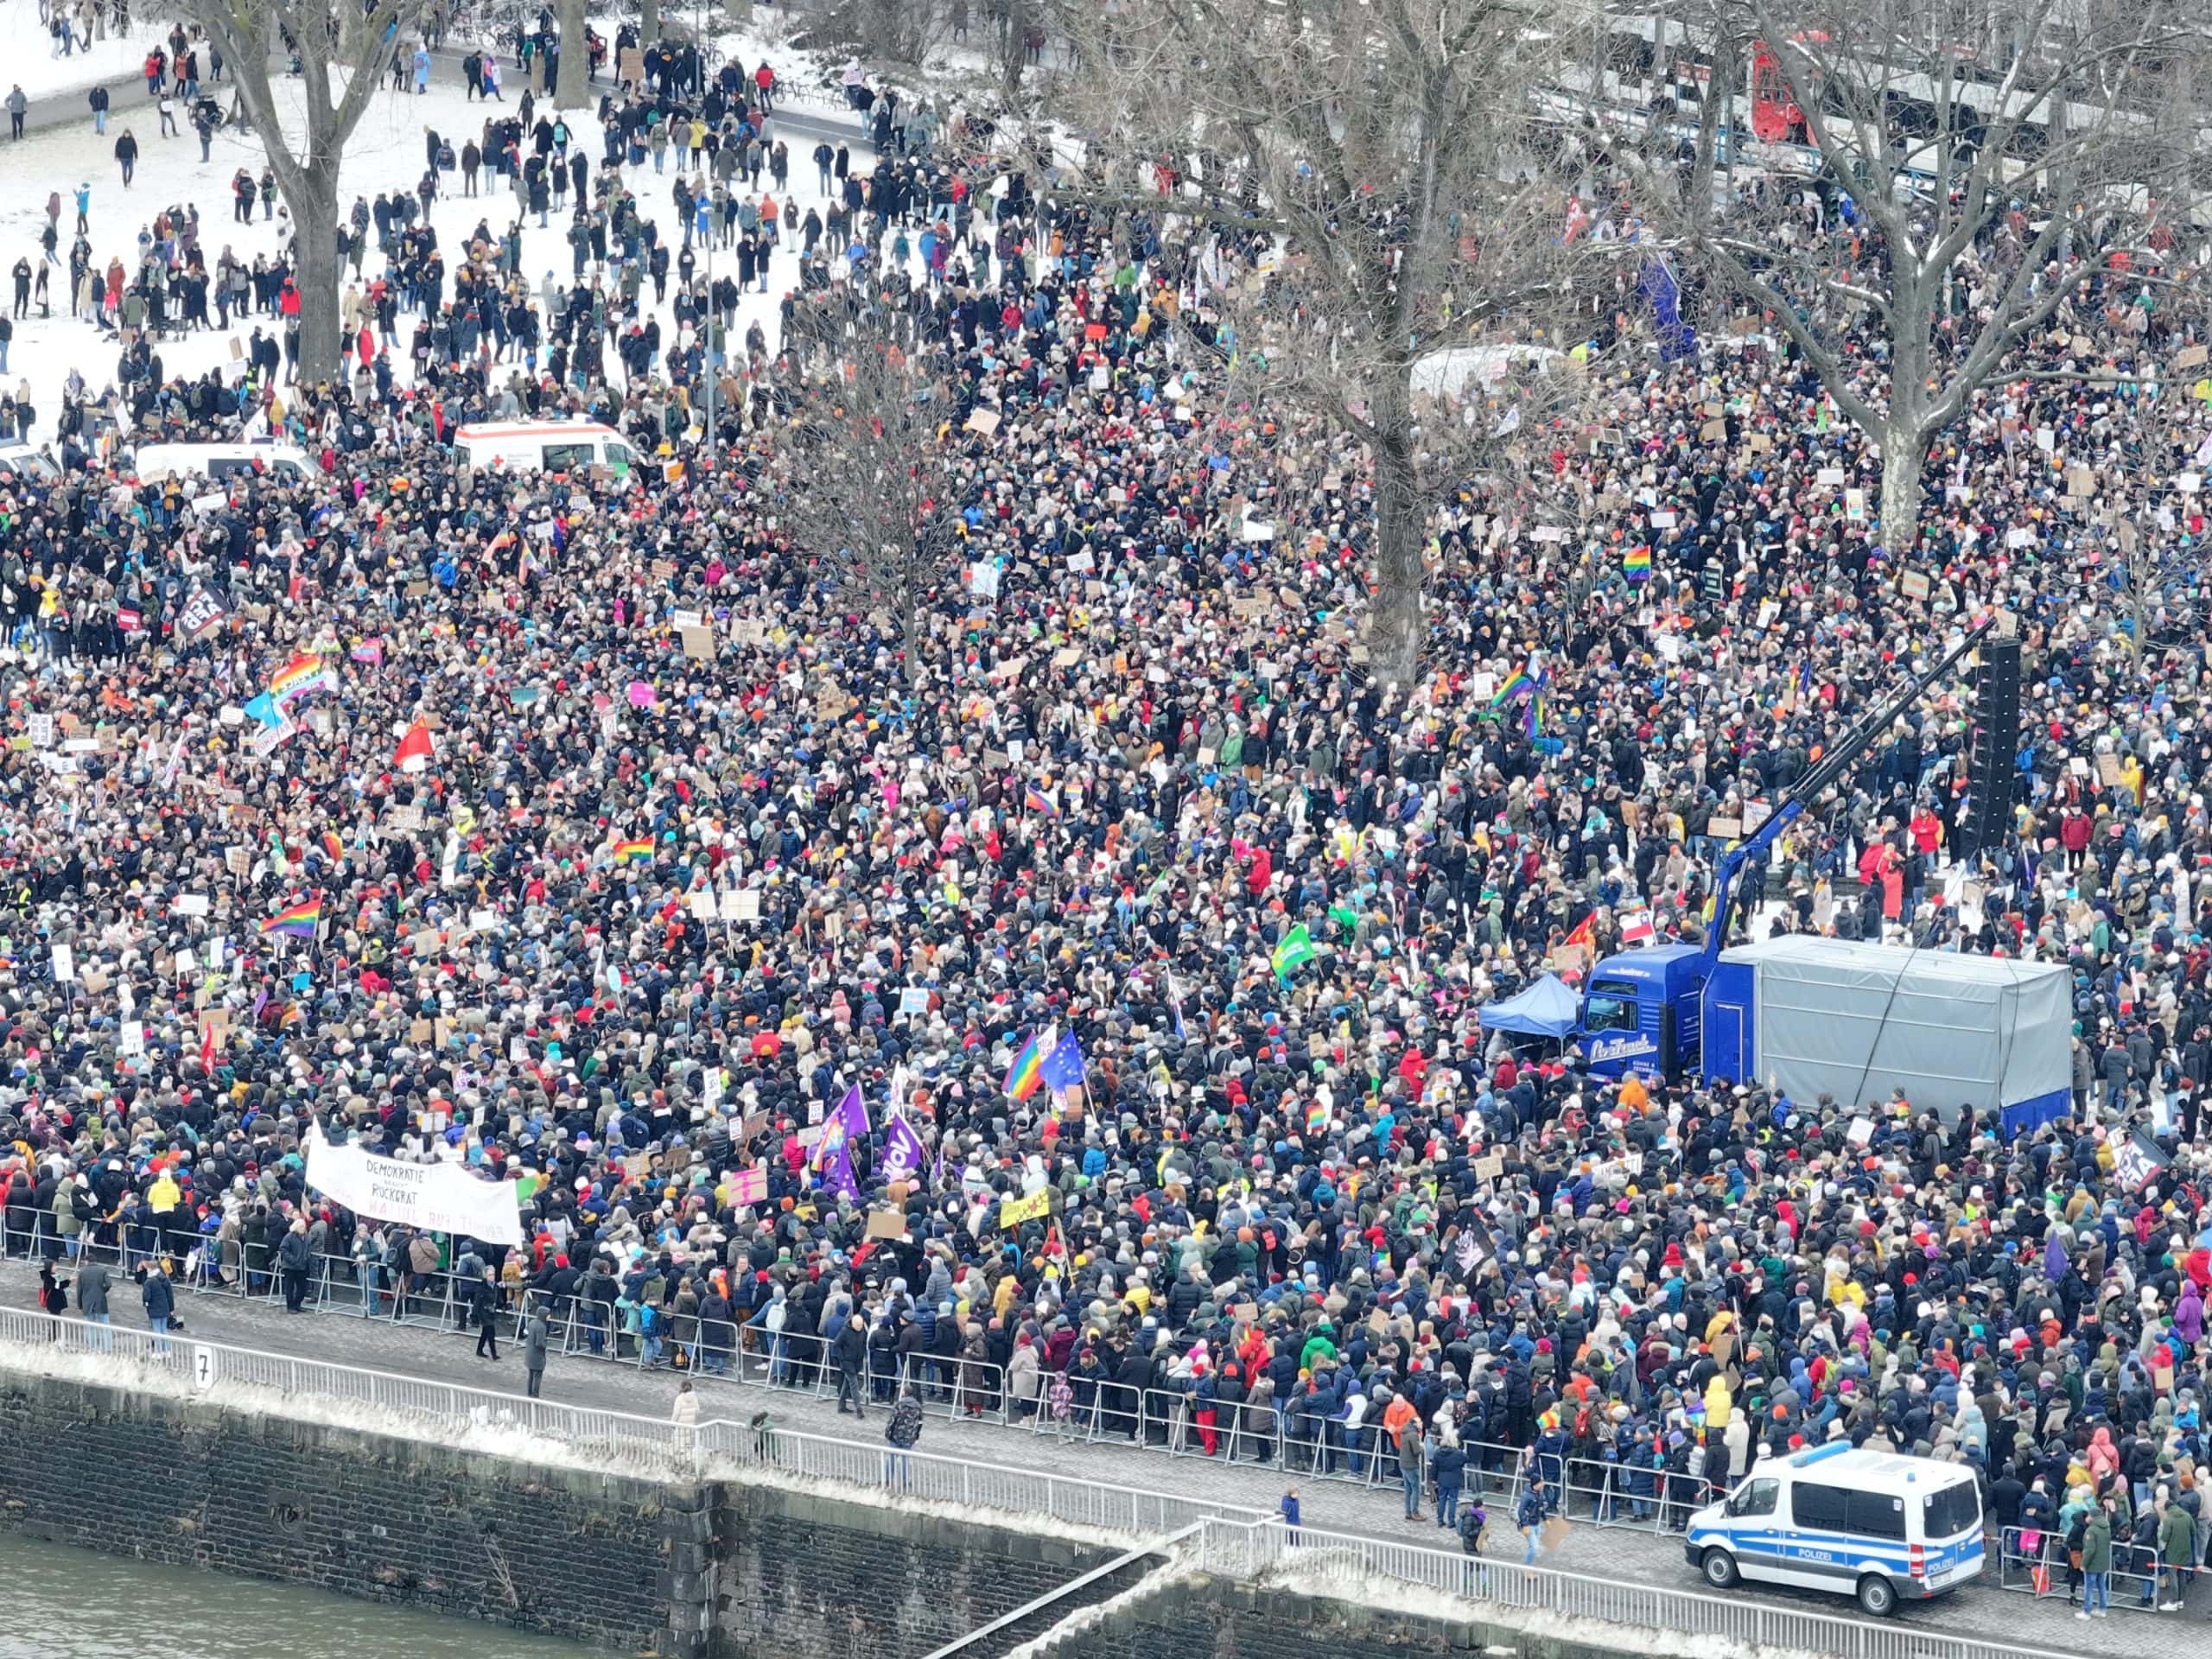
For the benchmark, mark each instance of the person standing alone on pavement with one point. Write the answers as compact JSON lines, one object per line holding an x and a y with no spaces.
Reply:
{"x":903,"y":1429}
{"x":18,"y":107}
{"x":159,"y":1295}
{"x":533,"y":1353}
{"x":293,"y":1257}
{"x":851,"y":1351}
{"x":483,"y":1308}
{"x":91,"y":1298}
{"x":2176,"y":1549}
{"x":1413,"y":1464}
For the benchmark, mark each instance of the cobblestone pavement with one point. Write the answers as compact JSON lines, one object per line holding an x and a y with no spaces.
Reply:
{"x":342,"y":1335}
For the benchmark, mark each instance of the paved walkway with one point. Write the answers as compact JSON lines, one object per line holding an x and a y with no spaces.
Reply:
{"x":341,"y":1334}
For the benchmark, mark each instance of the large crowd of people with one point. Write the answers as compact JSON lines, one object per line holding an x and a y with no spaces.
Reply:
{"x":616,"y":833}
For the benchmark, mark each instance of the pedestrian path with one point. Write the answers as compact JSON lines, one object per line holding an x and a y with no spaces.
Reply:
{"x":346,"y":1336}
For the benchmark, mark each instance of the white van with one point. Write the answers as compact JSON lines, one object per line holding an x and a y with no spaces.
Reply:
{"x":220,"y":461}
{"x":1871,"y":1525}
{"x":546,"y":447}
{"x":23,"y":462}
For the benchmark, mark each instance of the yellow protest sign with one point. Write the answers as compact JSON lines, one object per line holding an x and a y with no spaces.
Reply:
{"x":1014,"y":1212}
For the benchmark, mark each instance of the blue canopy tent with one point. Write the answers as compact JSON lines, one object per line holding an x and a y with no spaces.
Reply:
{"x":1546,"y":1009}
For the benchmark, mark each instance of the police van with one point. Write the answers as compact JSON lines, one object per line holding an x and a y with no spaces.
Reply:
{"x":1871,"y":1525}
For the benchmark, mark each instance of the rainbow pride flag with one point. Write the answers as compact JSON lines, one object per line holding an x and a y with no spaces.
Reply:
{"x":1636,"y":564}
{"x":299,"y":677}
{"x":1026,"y":1075}
{"x":1522,"y":681}
{"x":627,"y":850}
{"x":301,"y":921}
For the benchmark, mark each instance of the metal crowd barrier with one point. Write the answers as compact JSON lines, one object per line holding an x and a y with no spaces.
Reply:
{"x":1308,"y":1558}
{"x":1099,"y":1409}
{"x":1227,"y":1538}
{"x":2133,"y":1587}
{"x":203,"y":1365}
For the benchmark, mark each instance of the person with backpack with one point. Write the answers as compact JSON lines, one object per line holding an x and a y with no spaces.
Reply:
{"x":1529,"y":1517}
{"x":1473,"y":1520}
{"x":903,"y":1429}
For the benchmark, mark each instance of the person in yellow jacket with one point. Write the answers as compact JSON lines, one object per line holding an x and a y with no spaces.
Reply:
{"x":163,"y":1200}
{"x":1719,"y":1404}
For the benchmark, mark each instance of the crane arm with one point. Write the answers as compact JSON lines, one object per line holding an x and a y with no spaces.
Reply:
{"x":1831,"y":766}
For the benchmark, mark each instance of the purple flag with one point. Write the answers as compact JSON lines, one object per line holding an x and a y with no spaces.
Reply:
{"x":903,"y":1154}
{"x":833,"y":1153}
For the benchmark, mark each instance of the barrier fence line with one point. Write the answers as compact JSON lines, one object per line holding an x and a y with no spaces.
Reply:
{"x":1230,"y":1539}
{"x":1096,"y":1410}
{"x":2131,"y":1583}
{"x":914,"y":1473}
{"x":1243,"y":1549}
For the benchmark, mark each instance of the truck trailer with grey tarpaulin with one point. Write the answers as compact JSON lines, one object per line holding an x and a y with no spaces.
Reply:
{"x":1857,"y":1022}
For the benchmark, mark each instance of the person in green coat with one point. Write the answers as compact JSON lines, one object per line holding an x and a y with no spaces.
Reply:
{"x":2177,"y":1550}
{"x":2096,"y":1563}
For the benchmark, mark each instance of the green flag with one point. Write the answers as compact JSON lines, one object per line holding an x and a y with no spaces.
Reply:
{"x":1296,"y":949}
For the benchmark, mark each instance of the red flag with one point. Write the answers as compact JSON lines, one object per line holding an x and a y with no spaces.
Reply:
{"x":207,"y":1046}
{"x":1052,"y":1244}
{"x":414,"y":752}
{"x":1583,"y":932}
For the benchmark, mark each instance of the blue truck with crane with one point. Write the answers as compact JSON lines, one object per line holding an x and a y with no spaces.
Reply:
{"x":1811,"y":1016}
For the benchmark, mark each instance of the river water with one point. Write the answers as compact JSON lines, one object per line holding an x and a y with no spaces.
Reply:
{"x":74,"y":1604}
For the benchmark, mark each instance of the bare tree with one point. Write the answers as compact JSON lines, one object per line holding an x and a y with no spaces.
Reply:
{"x":897,"y":32}
{"x":864,"y":449}
{"x":1982,"y":160}
{"x":1354,"y":183}
{"x":2159,"y":574}
{"x":344,"y":49}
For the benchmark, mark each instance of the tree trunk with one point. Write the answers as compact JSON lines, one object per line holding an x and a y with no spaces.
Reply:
{"x":1904,"y":451}
{"x":1015,"y":58}
{"x":314,"y":212}
{"x":648,"y":25}
{"x":910,"y":630}
{"x":1708,"y":137}
{"x":571,"y":90}
{"x":1395,"y":626}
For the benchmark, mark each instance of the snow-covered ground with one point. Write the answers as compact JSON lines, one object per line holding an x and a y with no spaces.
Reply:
{"x":386,"y":153}
{"x":46,"y":78}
